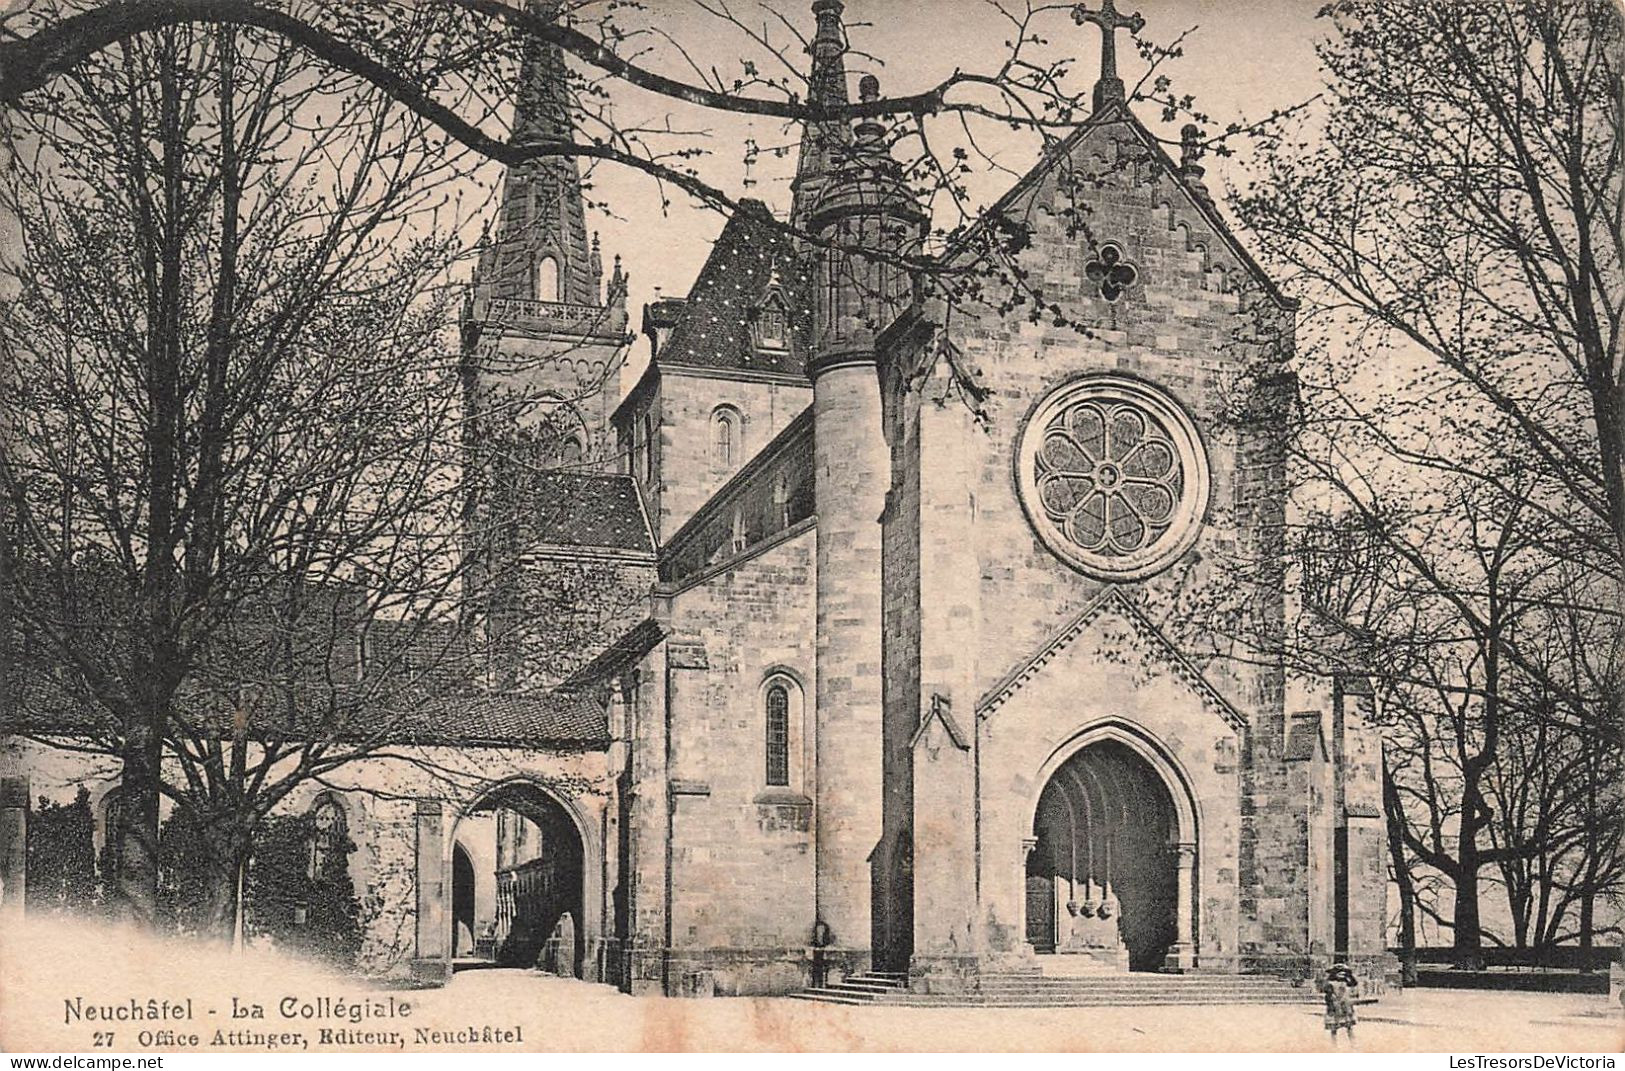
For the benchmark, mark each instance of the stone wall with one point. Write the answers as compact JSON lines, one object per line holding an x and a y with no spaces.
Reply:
{"x":687,"y":474}
{"x":741,"y":851}
{"x":579,"y":374}
{"x":384,"y":801}
{"x":1199,"y":328}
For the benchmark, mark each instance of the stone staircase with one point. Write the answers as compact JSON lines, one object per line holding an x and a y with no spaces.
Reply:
{"x":1035,"y":990}
{"x":870,"y":987}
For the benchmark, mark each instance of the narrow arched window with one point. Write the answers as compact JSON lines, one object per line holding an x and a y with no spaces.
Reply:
{"x":781,"y":499}
{"x":329,"y":841}
{"x":112,"y":854}
{"x":547,"y":280}
{"x":571,"y":455}
{"x":778,"y":735}
{"x":724,"y":436}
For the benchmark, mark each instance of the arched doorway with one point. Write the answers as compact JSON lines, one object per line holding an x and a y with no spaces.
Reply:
{"x":464,"y":920}
{"x":1104,"y":863}
{"x":518,"y":867}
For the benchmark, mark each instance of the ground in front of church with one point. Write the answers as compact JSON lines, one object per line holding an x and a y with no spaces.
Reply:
{"x":1420,"y":1020}
{"x":48,"y":964}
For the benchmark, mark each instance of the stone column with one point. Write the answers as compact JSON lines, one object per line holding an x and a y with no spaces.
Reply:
{"x":13,"y":845}
{"x":1028,"y":844}
{"x":431,"y":959}
{"x":1182,"y":956}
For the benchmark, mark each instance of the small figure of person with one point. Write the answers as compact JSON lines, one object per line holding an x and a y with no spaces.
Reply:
{"x":1340,"y":988}
{"x":822,"y":938}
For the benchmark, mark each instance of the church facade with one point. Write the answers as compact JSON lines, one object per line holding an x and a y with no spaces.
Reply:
{"x":902,"y":660}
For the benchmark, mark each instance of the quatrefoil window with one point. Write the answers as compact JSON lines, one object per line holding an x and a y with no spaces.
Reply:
{"x":1110,"y":272}
{"x":1113,"y":477}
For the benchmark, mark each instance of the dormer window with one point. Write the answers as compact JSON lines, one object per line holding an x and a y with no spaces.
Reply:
{"x":770,"y":317}
{"x":772,"y":328}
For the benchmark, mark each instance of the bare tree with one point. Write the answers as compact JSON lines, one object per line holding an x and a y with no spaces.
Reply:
{"x":1450,"y":215}
{"x":232,"y":389}
{"x":245,"y":413}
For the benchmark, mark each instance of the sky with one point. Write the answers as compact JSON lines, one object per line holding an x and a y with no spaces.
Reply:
{"x":1241,"y":59}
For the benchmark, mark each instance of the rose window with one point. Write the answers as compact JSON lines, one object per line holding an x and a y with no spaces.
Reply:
{"x":1113,"y":477}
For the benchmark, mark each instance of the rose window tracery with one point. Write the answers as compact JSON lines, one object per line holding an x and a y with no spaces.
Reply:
{"x":1113,"y":476}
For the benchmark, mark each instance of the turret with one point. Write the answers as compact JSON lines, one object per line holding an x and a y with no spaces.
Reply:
{"x":870,"y":223}
{"x":863,"y":222}
{"x":823,"y":142}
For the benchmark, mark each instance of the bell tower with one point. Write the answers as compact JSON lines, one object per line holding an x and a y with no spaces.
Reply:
{"x":543,"y":340}
{"x":543,"y":336}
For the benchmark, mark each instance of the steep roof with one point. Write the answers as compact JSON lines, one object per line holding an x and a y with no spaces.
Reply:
{"x":577,"y":509}
{"x":750,"y":258}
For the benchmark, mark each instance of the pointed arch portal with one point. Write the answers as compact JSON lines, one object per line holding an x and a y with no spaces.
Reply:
{"x":1111,"y":858}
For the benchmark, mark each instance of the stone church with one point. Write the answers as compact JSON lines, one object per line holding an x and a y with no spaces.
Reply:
{"x":899,"y":663}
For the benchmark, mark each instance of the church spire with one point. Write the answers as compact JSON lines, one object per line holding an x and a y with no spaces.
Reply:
{"x":823,"y":142}
{"x":541,"y":249}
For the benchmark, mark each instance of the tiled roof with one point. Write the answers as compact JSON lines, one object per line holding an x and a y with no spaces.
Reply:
{"x":572,"y":719}
{"x":627,"y":648}
{"x":714,"y":330}
{"x":520,"y":719}
{"x":573,"y":509}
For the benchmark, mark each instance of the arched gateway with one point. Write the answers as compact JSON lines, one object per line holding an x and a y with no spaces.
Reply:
{"x":519,"y":864}
{"x":1111,"y":859}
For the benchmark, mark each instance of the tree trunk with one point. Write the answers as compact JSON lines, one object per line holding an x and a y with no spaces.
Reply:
{"x":137,"y":881}
{"x":1588,"y":902}
{"x":1393,"y":810}
{"x":1467,"y":950}
{"x":226,"y":853}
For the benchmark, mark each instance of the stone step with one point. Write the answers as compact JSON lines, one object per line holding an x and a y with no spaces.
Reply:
{"x":851,"y":986}
{"x":831,"y":996}
{"x":1151,"y":980}
{"x":1024,"y":990}
{"x":1100,"y":997}
{"x":1090,"y":1002}
{"x":1140,"y":989}
{"x":1107,"y":987}
{"x":1103,"y":986}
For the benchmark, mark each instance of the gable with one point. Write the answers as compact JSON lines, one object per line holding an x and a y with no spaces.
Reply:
{"x":1111,"y":154}
{"x":1112,"y":626}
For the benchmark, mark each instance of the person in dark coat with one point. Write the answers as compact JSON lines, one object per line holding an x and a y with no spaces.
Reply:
{"x":1340,"y":989}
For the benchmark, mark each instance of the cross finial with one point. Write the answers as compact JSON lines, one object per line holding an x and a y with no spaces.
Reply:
{"x":1109,"y":90}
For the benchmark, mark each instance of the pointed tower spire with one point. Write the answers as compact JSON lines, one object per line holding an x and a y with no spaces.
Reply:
{"x":823,"y":143}
{"x":541,"y":250}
